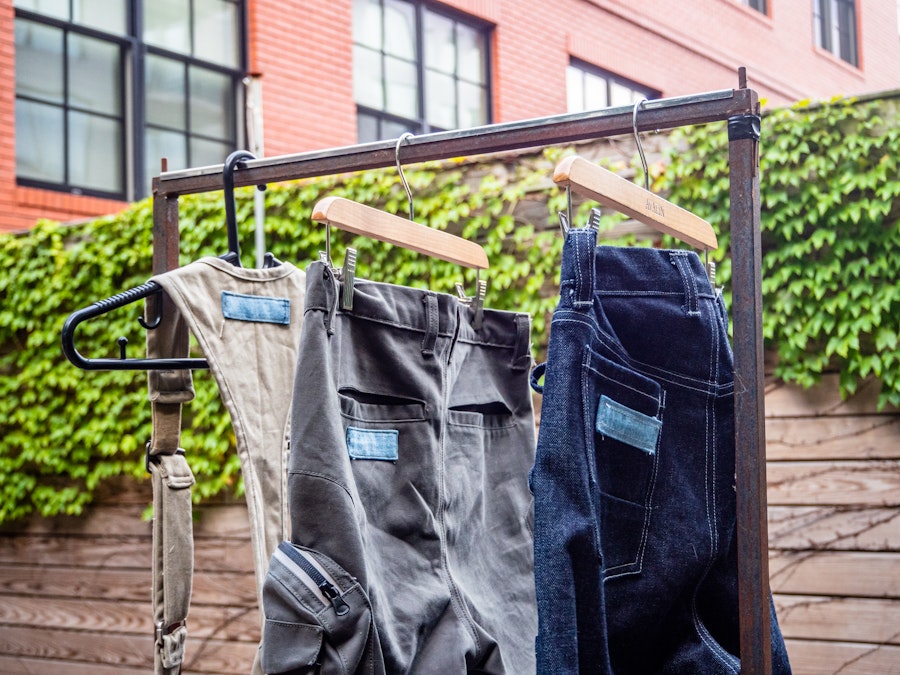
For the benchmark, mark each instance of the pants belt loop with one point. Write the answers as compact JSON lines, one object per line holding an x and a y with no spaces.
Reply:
{"x":584,"y":243}
{"x":522,"y":357}
{"x":432,"y":323}
{"x":682,"y":263}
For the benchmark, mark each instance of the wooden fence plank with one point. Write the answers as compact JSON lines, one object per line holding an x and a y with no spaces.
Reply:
{"x":872,"y":482}
{"x":126,"y":618}
{"x":215,"y":588}
{"x":829,"y":618}
{"x":810,"y":657}
{"x":225,"y":555}
{"x":843,"y":573}
{"x":834,"y":527}
{"x":790,"y":400}
{"x":211,"y":520}
{"x":125,"y":651}
{"x":830,"y":438}
{"x":26,"y":666}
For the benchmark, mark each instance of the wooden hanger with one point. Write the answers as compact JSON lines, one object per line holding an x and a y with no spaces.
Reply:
{"x":357,"y":218}
{"x":590,"y":180}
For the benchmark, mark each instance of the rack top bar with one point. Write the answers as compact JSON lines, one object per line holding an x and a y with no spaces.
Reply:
{"x":663,"y":113}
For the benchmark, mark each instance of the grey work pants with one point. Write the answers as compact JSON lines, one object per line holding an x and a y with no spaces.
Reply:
{"x":412,"y":436}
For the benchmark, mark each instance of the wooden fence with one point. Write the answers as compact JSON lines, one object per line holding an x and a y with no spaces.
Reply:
{"x":74,"y":593}
{"x":834,"y":528}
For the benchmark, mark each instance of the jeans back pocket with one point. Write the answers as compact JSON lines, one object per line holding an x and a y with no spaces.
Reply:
{"x":627,"y":423}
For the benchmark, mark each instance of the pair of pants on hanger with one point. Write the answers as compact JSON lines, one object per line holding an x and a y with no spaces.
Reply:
{"x":635,"y":541}
{"x":412,"y":435}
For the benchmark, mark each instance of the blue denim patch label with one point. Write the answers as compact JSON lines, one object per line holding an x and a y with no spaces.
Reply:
{"x":256,"y":308}
{"x":628,"y":426}
{"x":373,"y":443}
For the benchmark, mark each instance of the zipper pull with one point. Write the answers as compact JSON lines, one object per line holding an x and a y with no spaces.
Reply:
{"x":330,"y":592}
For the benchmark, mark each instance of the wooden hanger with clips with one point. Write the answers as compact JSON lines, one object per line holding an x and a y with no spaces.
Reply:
{"x":357,"y":218}
{"x":590,"y":180}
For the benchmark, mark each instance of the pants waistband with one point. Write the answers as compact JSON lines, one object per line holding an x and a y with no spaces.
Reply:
{"x":587,"y":268}
{"x":427,"y":312}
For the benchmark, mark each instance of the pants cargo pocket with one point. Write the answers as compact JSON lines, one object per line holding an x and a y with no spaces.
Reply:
{"x":317,"y":617}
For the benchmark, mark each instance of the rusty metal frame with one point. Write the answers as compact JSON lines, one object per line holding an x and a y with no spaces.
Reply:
{"x":717,"y":106}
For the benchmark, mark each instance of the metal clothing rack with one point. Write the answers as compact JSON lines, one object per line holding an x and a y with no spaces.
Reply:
{"x":740,"y":107}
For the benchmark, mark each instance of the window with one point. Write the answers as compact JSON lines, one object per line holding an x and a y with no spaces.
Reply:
{"x":98,"y":105}
{"x":835,"y":28}
{"x":758,"y":5}
{"x":590,"y":88}
{"x":417,"y":69}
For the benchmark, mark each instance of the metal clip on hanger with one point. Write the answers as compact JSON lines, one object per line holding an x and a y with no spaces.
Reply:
{"x":602,"y":185}
{"x":367,"y":221}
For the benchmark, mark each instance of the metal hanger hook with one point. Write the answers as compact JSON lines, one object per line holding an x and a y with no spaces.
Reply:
{"x":637,"y":139}
{"x":403,"y":137}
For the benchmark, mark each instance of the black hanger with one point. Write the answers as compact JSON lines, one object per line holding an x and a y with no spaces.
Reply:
{"x":122,"y":363}
{"x":233,"y":161}
{"x":237,"y":160}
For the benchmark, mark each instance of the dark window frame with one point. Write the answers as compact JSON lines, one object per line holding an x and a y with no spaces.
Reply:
{"x":587,"y":68}
{"x":420,"y":124}
{"x":760,"y":6}
{"x":133,"y":52}
{"x":847,"y":22}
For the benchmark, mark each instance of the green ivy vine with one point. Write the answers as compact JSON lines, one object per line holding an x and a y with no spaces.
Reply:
{"x":831,"y":227}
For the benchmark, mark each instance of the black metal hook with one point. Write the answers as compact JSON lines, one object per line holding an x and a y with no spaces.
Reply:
{"x":235,"y":160}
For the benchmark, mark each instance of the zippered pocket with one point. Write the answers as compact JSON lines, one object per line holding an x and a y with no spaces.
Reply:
{"x":318,"y":619}
{"x":316,"y":578}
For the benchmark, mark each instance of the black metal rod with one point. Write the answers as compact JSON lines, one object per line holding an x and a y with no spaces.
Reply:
{"x":749,"y":399}
{"x":663,"y":113}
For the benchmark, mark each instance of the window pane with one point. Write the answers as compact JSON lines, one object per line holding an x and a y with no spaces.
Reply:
{"x":619,"y":94}
{"x":400,"y":29}
{"x":159,"y":144}
{"x":472,"y":105}
{"x":212,"y":103}
{"x":39,"y":142}
{"x":166,"y":24}
{"x":440,"y":48}
{"x":367,"y":23}
{"x":367,"y":78}
{"x":574,"y":89}
{"x":366,"y":128}
{"x":56,"y":8}
{"x":400,"y":87}
{"x":391,"y":129}
{"x":95,"y":75}
{"x":39,"y":61}
{"x":165,"y":90}
{"x":472,"y":54}
{"x":106,"y":15}
{"x":440,"y":103}
{"x":95,"y":153}
{"x":205,"y":153}
{"x":595,"y":96}
{"x":216,"y":31}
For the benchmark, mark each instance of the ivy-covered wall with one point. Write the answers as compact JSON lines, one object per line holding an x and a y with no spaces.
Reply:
{"x":831,"y":220}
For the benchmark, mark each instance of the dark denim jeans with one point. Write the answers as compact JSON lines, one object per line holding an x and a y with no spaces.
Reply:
{"x":412,"y":435}
{"x":635,"y":542}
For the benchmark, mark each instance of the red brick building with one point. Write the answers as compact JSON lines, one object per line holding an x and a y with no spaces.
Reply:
{"x":96,"y":92}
